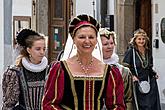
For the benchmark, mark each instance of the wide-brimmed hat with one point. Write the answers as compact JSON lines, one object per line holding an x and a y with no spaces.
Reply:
{"x":82,"y":20}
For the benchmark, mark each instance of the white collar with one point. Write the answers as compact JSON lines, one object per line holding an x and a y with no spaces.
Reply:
{"x":35,"y":67}
{"x":113,"y":60}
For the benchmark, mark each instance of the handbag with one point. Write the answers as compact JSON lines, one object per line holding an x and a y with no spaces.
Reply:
{"x":144,"y":86}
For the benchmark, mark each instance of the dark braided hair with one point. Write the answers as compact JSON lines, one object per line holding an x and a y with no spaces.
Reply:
{"x":23,"y":35}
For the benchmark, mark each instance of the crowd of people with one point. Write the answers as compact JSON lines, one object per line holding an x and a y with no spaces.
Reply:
{"x":87,"y":75}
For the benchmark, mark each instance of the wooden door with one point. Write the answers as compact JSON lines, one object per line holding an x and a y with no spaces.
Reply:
{"x":143,"y":16}
{"x":58,"y":16}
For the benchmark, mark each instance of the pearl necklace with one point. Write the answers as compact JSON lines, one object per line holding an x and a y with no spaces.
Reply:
{"x":85,"y":68}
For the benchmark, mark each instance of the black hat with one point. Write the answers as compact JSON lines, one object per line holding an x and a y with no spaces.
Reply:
{"x":83,"y":20}
{"x":23,"y":35}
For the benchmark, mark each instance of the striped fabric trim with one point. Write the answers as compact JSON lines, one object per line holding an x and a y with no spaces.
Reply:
{"x":85,"y":94}
{"x":67,"y":108}
{"x":102,"y":88}
{"x":54,"y":107}
{"x":114,"y":92}
{"x":55,"y":96}
{"x":93,"y":93}
{"x":72,"y":86}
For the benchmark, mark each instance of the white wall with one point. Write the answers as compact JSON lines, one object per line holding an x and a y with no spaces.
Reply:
{"x":22,"y":8}
{"x":1,"y":38}
{"x":159,"y":53}
{"x":84,"y":7}
{"x":111,"y":8}
{"x":19,"y":8}
{"x":2,"y":46}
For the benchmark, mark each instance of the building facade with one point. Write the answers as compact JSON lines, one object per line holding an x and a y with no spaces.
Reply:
{"x":148,"y":15}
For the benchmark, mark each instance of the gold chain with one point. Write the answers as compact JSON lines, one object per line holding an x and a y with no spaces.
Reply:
{"x":85,"y":68}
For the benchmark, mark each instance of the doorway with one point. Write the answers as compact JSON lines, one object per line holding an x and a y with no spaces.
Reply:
{"x":58,"y":21}
{"x":143,"y":17}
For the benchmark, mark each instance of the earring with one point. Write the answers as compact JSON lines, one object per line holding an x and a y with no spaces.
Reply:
{"x":74,"y":46}
{"x":30,"y":56}
{"x":96,"y":47}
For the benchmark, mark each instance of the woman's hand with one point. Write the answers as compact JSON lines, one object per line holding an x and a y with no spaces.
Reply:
{"x":135,"y":78}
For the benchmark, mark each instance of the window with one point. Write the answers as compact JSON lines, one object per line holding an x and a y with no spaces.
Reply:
{"x":19,"y":23}
{"x":58,"y":9}
{"x":163,"y":30}
{"x":57,"y":37}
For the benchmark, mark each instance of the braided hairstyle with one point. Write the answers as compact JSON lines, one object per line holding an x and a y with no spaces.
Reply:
{"x":25,"y":39}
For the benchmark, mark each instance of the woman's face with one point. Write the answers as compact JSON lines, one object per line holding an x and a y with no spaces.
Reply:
{"x":37,"y":51}
{"x":140,"y":41}
{"x":107,"y":47}
{"x":85,"y":40}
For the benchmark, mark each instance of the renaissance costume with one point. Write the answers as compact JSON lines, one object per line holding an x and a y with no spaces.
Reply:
{"x":68,"y":92}
{"x":127,"y":78}
{"x":24,"y":85}
{"x":144,"y":64}
{"x":68,"y":89}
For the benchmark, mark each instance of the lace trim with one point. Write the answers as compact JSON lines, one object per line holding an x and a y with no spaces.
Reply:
{"x":35,"y":67}
{"x":113,"y":60}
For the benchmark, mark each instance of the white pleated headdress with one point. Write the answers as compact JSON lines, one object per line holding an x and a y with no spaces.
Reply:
{"x":70,"y":51}
{"x":75,"y":24}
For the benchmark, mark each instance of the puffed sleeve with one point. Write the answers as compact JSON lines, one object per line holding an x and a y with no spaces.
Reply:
{"x":54,"y":88}
{"x":10,"y":88}
{"x":115,"y":90}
